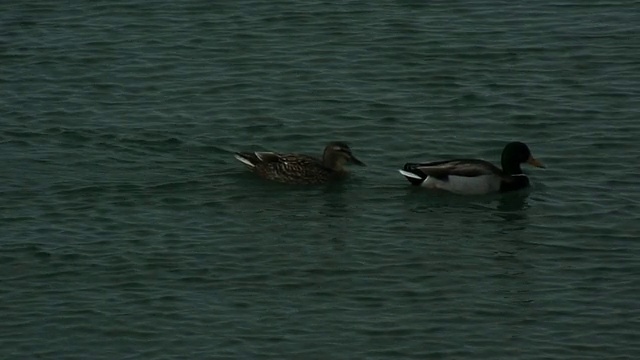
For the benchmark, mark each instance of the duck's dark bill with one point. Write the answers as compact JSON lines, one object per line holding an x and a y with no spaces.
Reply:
{"x":356,"y":161}
{"x":534,"y":162}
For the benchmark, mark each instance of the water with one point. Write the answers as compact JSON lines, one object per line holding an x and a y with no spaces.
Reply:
{"x":128,"y":231}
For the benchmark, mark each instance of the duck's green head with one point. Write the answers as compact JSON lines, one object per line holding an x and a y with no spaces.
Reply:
{"x":338,"y":153}
{"x":516,"y":153}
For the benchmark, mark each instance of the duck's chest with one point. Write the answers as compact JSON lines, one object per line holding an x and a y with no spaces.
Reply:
{"x":518,"y":182}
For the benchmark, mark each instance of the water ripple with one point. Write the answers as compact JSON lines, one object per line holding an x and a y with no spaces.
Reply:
{"x":128,"y":227}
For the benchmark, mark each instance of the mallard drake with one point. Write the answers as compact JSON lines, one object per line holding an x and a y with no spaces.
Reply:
{"x":474,"y":176}
{"x":299,"y":168}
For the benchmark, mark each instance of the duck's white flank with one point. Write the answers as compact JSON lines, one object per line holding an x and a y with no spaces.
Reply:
{"x":465,"y":185}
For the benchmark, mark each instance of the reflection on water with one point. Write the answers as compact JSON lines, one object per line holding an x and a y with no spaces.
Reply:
{"x":338,"y":214}
{"x":512,"y":207}
{"x":508,"y":211}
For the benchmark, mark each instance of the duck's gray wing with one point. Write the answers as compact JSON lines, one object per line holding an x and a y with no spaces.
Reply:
{"x":457,"y":167}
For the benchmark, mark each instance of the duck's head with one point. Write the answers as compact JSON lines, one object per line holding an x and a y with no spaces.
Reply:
{"x":516,"y":153}
{"x":337,"y":154}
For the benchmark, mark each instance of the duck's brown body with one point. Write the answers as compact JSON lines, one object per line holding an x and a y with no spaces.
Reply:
{"x":300,"y":168}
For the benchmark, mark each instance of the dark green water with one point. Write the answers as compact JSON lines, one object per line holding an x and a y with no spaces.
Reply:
{"x":128,"y":231}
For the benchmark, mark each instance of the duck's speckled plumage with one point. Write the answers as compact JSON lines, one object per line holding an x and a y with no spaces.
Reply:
{"x":300,"y":168}
{"x":474,"y":176}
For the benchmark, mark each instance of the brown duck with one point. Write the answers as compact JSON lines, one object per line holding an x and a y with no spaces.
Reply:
{"x":300,"y":168}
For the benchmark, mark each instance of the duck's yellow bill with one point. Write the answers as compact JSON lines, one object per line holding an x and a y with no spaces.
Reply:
{"x":534,"y":162}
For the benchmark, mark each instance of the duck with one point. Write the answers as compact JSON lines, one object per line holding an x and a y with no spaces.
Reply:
{"x":294,"y":168}
{"x":474,"y":176}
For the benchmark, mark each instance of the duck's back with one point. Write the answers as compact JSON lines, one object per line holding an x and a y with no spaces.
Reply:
{"x":293,"y":169}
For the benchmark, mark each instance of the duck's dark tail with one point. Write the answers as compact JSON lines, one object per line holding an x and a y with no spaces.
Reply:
{"x":412,"y":174}
{"x":249,"y":159}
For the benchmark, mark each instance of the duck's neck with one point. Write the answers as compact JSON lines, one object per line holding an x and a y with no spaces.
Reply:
{"x":333,"y":161}
{"x":510,"y":167}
